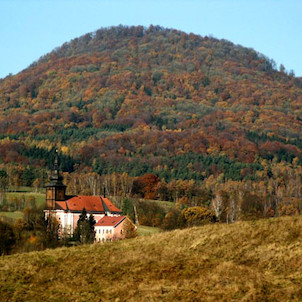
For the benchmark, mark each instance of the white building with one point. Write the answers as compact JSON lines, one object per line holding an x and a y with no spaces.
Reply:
{"x":67,"y":209}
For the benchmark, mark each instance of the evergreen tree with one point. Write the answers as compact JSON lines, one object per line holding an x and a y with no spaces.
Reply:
{"x":84,"y":231}
{"x":3,"y":180}
{"x":127,"y":208}
{"x":92,"y":222}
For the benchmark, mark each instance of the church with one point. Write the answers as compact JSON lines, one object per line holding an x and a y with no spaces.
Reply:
{"x":67,"y":209}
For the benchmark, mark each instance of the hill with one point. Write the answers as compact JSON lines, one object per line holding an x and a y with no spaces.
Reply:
{"x":153,"y":100}
{"x":246,"y":261}
{"x":124,"y":93}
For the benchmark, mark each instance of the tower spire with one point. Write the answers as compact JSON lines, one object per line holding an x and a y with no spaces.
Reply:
{"x":56,"y":165}
{"x":56,"y":178}
{"x":55,"y":189}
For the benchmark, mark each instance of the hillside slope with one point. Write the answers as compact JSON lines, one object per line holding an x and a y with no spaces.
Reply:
{"x":128,"y":97}
{"x":246,"y":261}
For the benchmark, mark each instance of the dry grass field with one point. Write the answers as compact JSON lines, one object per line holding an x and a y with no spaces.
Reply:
{"x":245,"y":261}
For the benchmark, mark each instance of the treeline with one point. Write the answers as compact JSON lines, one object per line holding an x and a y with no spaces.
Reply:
{"x":186,"y":166}
{"x":29,"y":233}
{"x":275,"y":191}
{"x":276,"y":185}
{"x":25,"y":164}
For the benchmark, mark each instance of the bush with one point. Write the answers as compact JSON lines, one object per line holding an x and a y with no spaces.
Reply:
{"x":170,"y":221}
{"x":195,"y":216}
{"x":129,"y":229}
{"x":149,"y":213}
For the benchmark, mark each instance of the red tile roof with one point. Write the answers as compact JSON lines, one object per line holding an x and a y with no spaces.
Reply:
{"x":111,"y":207}
{"x":110,"y":221}
{"x":91,"y":204}
{"x":61,"y":205}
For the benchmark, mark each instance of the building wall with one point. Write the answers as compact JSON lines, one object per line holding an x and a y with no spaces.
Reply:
{"x":109,"y":233}
{"x":118,"y":231}
{"x":104,"y":233}
{"x":68,"y":221}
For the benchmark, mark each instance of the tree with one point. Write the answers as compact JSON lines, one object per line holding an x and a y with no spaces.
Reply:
{"x":128,"y":209}
{"x":146,"y":186}
{"x":3,"y":180}
{"x":51,"y":233}
{"x":28,"y":176}
{"x":282,"y":68}
{"x":195,"y":216}
{"x":129,"y":229}
{"x":92,"y":223}
{"x":251,"y":206}
{"x":170,"y":221}
{"x":84,"y":231}
{"x":32,"y":217}
{"x":3,"y":186}
{"x":7,"y":238}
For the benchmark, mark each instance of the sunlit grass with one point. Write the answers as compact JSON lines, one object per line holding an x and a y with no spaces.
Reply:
{"x":244,"y":261}
{"x":143,"y":230}
{"x":12,"y":215}
{"x":39,"y":197}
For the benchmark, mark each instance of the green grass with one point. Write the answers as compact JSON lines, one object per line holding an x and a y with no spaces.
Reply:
{"x":165,"y":204}
{"x":12,"y":215}
{"x":143,"y":230}
{"x":40,"y":197}
{"x":23,"y":189}
{"x":244,"y":261}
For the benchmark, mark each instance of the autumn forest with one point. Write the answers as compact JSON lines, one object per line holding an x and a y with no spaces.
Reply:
{"x":156,"y":113}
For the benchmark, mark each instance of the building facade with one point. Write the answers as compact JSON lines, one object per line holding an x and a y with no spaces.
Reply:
{"x":110,"y":228}
{"x":67,"y":209}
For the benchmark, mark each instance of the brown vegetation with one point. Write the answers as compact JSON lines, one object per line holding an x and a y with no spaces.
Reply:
{"x":245,"y":261}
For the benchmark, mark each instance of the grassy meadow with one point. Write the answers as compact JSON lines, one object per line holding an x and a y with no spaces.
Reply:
{"x":143,"y":230}
{"x":13,"y":215}
{"x":22,"y":193}
{"x":245,"y":261}
{"x":39,"y":197}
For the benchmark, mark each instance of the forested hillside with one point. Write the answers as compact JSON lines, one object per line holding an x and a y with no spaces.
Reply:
{"x":137,"y":100}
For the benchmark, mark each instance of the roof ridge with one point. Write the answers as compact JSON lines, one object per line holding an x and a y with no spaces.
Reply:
{"x":104,"y":205}
{"x":110,"y":218}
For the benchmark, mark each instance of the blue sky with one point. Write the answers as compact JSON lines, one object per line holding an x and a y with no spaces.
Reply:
{"x":32,"y":28}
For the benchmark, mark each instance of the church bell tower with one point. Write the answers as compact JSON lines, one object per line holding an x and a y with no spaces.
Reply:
{"x":55,"y":189}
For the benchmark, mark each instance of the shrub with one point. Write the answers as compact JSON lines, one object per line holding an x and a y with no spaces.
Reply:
{"x":195,"y":216}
